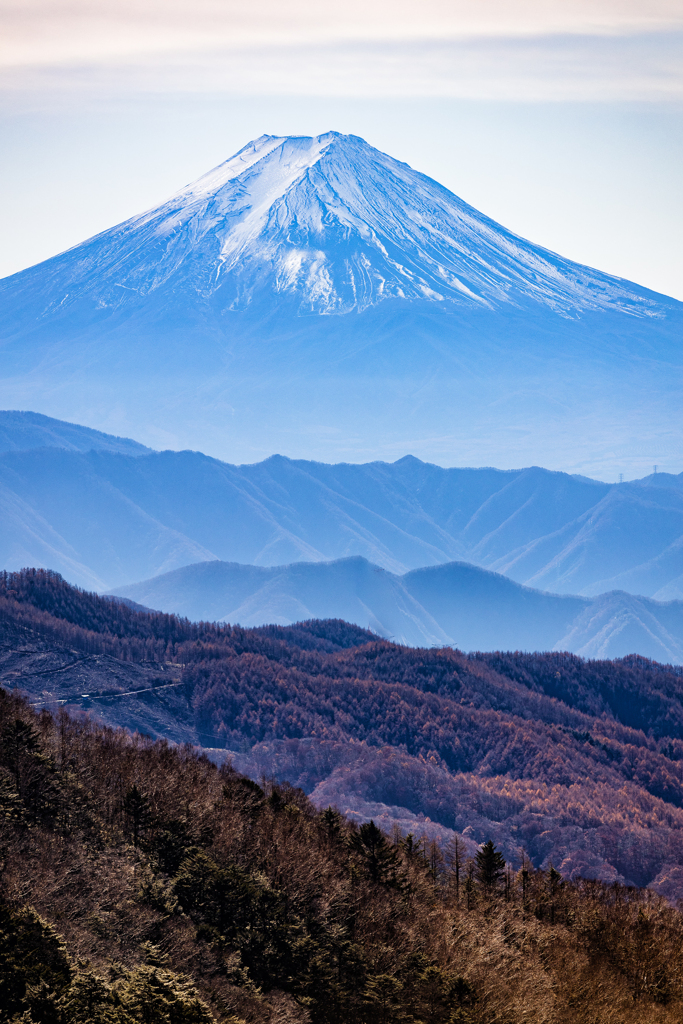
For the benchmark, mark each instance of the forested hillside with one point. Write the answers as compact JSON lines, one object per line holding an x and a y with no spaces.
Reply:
{"x":578,"y":763}
{"x":140,"y":882}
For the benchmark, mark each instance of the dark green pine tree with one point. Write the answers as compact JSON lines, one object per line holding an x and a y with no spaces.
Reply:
{"x":136,"y":809}
{"x":20,"y":743}
{"x":411,"y":847}
{"x":377,"y":854}
{"x":554,"y":885}
{"x":490,"y":866}
{"x":330,"y":822}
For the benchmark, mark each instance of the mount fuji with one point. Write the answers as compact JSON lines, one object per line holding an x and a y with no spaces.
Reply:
{"x":317,"y":297}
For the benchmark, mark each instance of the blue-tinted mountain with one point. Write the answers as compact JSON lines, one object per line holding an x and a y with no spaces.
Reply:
{"x":105,"y":519}
{"x":455,"y":604}
{"x":22,"y":431}
{"x":317,"y":297}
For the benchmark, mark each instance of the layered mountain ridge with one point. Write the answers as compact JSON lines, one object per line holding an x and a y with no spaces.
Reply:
{"x":106,"y":514}
{"x":456,"y":604}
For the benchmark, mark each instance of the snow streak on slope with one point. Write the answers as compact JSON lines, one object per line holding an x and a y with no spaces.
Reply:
{"x":330,"y":225}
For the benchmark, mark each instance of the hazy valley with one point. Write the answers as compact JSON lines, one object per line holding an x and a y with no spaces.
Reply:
{"x":454,"y":604}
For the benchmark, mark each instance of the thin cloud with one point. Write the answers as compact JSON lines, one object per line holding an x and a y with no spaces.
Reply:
{"x":494,"y":49}
{"x":562,"y":68}
{"x":39,"y":32}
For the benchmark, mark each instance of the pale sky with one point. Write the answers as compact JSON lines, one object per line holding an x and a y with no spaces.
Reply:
{"x":46,"y":32}
{"x":560,"y":119}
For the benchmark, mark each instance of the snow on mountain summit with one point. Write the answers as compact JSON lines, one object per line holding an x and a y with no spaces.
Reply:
{"x":328,"y":225}
{"x":300,"y":155}
{"x":316,"y":297}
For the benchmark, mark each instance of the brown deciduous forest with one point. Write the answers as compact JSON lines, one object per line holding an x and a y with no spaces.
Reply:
{"x":579,"y":763}
{"x":160,"y":884}
{"x":142,"y":882}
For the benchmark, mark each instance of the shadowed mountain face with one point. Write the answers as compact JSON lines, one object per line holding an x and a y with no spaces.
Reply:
{"x":456,"y":604}
{"x":317,"y":296}
{"x":106,"y":519}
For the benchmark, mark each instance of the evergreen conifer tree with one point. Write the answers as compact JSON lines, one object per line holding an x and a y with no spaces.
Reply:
{"x":377,"y":854}
{"x":331,"y":823}
{"x":411,"y":846}
{"x":136,"y":809}
{"x":490,"y":866}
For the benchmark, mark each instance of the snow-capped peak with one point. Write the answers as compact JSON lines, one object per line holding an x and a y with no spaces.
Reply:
{"x":329,"y":224}
{"x":301,"y":152}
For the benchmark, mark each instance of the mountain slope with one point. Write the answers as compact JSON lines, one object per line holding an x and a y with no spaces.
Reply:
{"x":105,"y":519}
{"x":334,"y":226}
{"x":317,"y":295}
{"x":22,"y":431}
{"x":578,"y":762}
{"x":184,"y":869}
{"x":455,"y":604}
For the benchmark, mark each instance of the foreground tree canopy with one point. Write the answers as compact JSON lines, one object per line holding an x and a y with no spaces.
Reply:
{"x":141,"y":882}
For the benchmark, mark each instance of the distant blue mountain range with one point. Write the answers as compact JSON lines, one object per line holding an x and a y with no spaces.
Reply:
{"x":117,"y":514}
{"x":455,"y":604}
{"x":22,"y":431}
